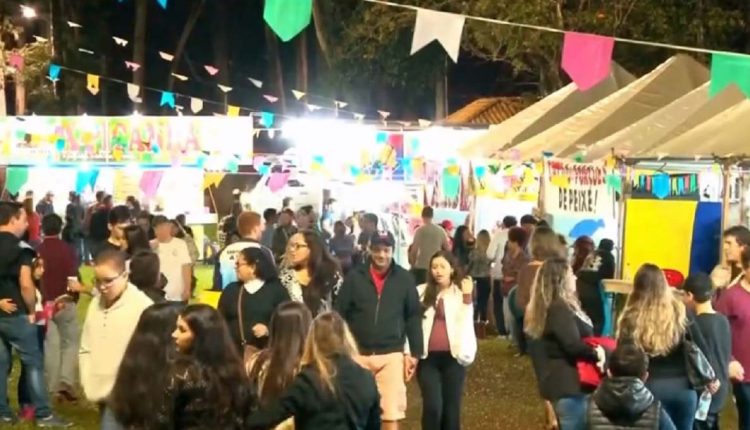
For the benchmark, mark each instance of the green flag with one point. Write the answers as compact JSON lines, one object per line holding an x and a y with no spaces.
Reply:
{"x":15,"y":178}
{"x":729,"y":69}
{"x":287,"y":18}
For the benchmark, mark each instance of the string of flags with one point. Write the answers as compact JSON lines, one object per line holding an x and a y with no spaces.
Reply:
{"x":586,"y":58}
{"x":162,"y":3}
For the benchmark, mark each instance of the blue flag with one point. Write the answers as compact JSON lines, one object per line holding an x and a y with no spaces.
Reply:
{"x":167,"y":99}
{"x":54,"y":72}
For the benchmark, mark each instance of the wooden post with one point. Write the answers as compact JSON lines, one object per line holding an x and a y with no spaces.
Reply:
{"x":627,"y":191}
{"x":725,"y":183}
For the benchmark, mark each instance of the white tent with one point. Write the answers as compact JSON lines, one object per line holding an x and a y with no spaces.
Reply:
{"x":678,"y":117}
{"x":545,"y":113}
{"x":668,"y":82}
{"x":724,"y":135}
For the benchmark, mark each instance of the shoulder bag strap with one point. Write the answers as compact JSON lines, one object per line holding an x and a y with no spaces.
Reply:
{"x":239,"y":315}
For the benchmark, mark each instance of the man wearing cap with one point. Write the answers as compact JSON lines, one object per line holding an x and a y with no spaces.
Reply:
{"x":380,"y":303}
{"x":428,"y":239}
{"x":175,"y":261}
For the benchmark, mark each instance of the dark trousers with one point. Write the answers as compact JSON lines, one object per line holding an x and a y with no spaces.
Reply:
{"x":483,"y":298}
{"x":677,"y":398}
{"x":441,"y":381}
{"x":497,"y":308}
{"x":711,"y":423}
{"x":520,"y":335}
{"x":420,"y":275}
{"x":24,"y":394}
{"x":742,"y":396}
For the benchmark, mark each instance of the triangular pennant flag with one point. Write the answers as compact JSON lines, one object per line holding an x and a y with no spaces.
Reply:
{"x":120,"y":41}
{"x":224,"y":88}
{"x":298,"y":94}
{"x":132,"y":66}
{"x":313,"y":108}
{"x":233,"y":110}
{"x":40,"y":39}
{"x":165,"y":56}
{"x":271,"y":99}
{"x":211,"y":70}
{"x":271,"y":133}
{"x":256,"y":83}
{"x":587,"y":58}
{"x":340,"y":105}
{"x":405,"y":123}
{"x":383,"y":114}
{"x":444,"y":27}
{"x":86,"y":51}
{"x":359,"y":116}
{"x":727,"y":69}
{"x":424,"y":123}
{"x":54,"y":72}
{"x":16,"y":60}
{"x":167,"y":99}
{"x":256,"y":132}
{"x":196,"y":105}
{"x":92,"y":84}
{"x":162,"y":3}
{"x":266,"y":119}
{"x":133,"y":91}
{"x":183,"y":78}
{"x":72,"y":24}
{"x":287,"y":18}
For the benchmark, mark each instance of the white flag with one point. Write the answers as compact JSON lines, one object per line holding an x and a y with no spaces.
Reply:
{"x":72,"y":24}
{"x":298,"y":94}
{"x":424,"y":123}
{"x":384,"y":114}
{"x":180,"y":77}
{"x":224,"y":88}
{"x":165,"y":56}
{"x":359,"y":116}
{"x":196,"y":105}
{"x":313,"y":108}
{"x":133,"y":91}
{"x":340,"y":105}
{"x":444,"y":27}
{"x":257,"y":83}
{"x":120,"y":41}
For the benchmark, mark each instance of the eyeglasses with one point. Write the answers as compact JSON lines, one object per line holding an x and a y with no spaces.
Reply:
{"x":105,"y":282}
{"x":296,"y":246}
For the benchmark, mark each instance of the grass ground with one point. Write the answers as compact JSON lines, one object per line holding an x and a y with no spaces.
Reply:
{"x":500,"y":392}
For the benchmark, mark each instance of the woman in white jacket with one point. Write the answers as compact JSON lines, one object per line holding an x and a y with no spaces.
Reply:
{"x":450,"y":342}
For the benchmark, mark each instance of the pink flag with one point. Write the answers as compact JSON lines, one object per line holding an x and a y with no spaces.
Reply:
{"x":16,"y":60}
{"x":271,"y":99}
{"x":132,"y":66}
{"x":277,"y":181}
{"x":211,"y":70}
{"x":150,"y":182}
{"x":587,"y":58}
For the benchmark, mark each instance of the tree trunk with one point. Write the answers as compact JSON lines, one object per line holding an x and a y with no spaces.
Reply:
{"x":139,"y":47}
{"x":321,"y":31}
{"x":302,"y":62}
{"x":274,"y":67}
{"x":187,"y":30}
{"x":441,"y":92}
{"x":221,"y":48}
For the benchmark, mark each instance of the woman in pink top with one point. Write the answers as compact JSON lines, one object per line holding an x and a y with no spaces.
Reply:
{"x":448,"y":328}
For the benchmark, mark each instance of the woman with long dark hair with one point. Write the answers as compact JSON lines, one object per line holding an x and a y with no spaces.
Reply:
{"x":135,"y":239}
{"x":582,"y":248}
{"x":272,"y":370}
{"x":310,"y":275}
{"x":448,"y":327}
{"x":331,"y":391}
{"x":208,"y":383}
{"x":248,"y":304}
{"x":137,"y":399}
{"x":145,"y":273}
{"x":463,"y":243}
{"x":34,"y":232}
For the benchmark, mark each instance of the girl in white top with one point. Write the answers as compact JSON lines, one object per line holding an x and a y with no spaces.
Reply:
{"x":451,"y":344}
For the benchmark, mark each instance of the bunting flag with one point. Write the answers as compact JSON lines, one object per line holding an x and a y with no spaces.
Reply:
{"x":16,"y":61}
{"x":196,"y":105}
{"x":313,"y":108}
{"x":256,"y":83}
{"x":266,"y":119}
{"x":15,"y":178}
{"x":211,"y":70}
{"x":54,"y":72}
{"x":133,"y":93}
{"x":446,"y":28}
{"x":166,"y":57}
{"x":132,"y":66}
{"x":298,"y":94}
{"x":287,"y":18}
{"x":271,"y":99}
{"x":271,"y":133}
{"x":383,"y":114}
{"x":340,"y":105}
{"x":224,"y":88}
{"x":72,"y":24}
{"x":256,"y":133}
{"x":233,"y":110}
{"x":40,"y":39}
{"x":167,"y":99}
{"x":405,"y":123}
{"x":86,"y":51}
{"x":92,"y":84}
{"x":727,"y":69}
{"x":162,"y":3}
{"x":183,"y":78}
{"x":424,"y":123}
{"x":359,"y":116}
{"x":587,"y":58}
{"x":120,"y":41}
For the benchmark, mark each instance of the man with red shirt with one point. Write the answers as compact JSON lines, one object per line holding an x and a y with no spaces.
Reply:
{"x":60,"y":263}
{"x":380,"y":303}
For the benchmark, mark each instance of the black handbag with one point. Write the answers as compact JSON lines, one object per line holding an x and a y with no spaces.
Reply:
{"x":699,"y":369}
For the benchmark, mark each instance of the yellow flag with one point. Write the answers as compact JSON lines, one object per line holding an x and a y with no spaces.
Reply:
{"x":92,"y":84}
{"x":233,"y":110}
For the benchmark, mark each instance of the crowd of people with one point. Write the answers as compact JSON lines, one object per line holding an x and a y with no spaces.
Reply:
{"x":318,"y":327}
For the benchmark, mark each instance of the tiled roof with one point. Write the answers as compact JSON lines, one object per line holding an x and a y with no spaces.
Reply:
{"x":487,"y":111}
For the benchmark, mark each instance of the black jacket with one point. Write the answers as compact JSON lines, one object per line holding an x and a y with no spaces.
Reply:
{"x":354,"y":406}
{"x":381,"y":324}
{"x":625,"y":403}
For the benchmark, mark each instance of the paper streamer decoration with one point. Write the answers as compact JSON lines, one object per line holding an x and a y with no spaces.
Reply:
{"x":660,"y":185}
{"x":54,"y":72}
{"x":359,"y":116}
{"x":383,"y":114}
{"x":133,"y":91}
{"x":16,"y":60}
{"x":165,"y":56}
{"x":72,"y":24}
{"x":15,"y":178}
{"x":444,"y":27}
{"x":167,"y":99}
{"x":150,"y":181}
{"x":92,"y":84}
{"x":287,"y":18}
{"x":340,"y":105}
{"x":727,"y":69}
{"x":277,"y":181}
{"x":211,"y":70}
{"x":298,"y":94}
{"x":183,"y":78}
{"x":256,"y":83}
{"x":86,"y":179}
{"x":587,"y":58}
{"x":196,"y":105}
{"x":224,"y":88}
{"x":271,"y":99}
{"x":40,"y":39}
{"x":120,"y":41}
{"x":266,"y":119}
{"x":233,"y":110}
{"x":451,"y":186}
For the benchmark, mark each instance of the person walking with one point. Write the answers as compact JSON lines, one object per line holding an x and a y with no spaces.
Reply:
{"x":283,"y":232}
{"x":249,"y":229}
{"x":428,"y":239}
{"x":514,"y":260}
{"x":74,"y":214}
{"x":175,"y":261}
{"x":479,"y":270}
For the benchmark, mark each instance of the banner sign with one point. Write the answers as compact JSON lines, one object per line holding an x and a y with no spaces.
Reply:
{"x":578,"y":189}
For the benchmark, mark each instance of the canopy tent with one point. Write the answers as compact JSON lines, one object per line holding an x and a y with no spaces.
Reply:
{"x":678,"y":117}
{"x":725,"y":135}
{"x":543,"y":114}
{"x":668,"y":82}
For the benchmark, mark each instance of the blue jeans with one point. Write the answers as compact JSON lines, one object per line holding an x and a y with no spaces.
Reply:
{"x":742,"y":396}
{"x":571,"y":412}
{"x":678,"y":398}
{"x":22,"y":336}
{"x":107,"y":420}
{"x":24,"y":391}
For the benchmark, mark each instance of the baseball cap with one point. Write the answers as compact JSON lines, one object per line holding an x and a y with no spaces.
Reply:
{"x":447,"y":224}
{"x":382,"y":238}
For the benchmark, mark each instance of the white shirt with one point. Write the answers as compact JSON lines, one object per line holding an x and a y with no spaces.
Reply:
{"x":173,"y":255}
{"x":105,"y":337}
{"x":496,"y":252}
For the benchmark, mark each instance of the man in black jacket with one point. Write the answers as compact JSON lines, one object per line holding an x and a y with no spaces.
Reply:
{"x":622,"y":400}
{"x":380,"y":303}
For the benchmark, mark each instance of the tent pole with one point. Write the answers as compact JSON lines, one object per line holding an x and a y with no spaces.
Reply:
{"x":743,"y":198}
{"x":725,"y":170}
{"x":627,"y":190}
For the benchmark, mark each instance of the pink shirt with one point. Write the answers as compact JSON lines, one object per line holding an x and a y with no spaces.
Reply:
{"x":734,"y":303}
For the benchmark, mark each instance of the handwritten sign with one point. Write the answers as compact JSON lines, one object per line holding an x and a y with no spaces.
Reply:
{"x":577,"y":189}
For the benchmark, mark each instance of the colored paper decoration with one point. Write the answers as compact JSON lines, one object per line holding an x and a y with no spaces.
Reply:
{"x":587,"y":58}
{"x":256,"y":83}
{"x":444,"y":27}
{"x":727,"y":69}
{"x":150,"y":181}
{"x":298,"y":94}
{"x":660,"y":185}
{"x":233,"y":110}
{"x":15,"y":178}
{"x":120,"y":41}
{"x":211,"y":70}
{"x":133,"y":91}
{"x":54,"y":72}
{"x":196,"y":105}
{"x":132,"y":66}
{"x":167,"y":99}
{"x":278,"y":181}
{"x":266,"y":119}
{"x":271,"y":99}
{"x":92,"y":84}
{"x":16,"y":60}
{"x":451,"y":186}
{"x":287,"y":18}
